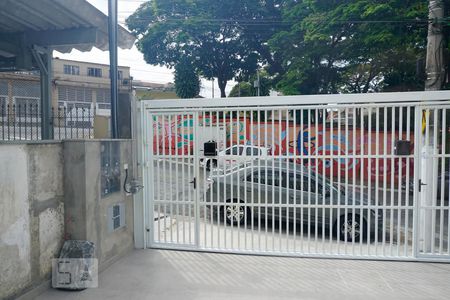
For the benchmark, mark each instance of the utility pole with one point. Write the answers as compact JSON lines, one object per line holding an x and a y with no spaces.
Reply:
{"x":213,"y":88}
{"x":257,"y":84}
{"x":429,"y":164}
{"x":435,"y":50}
{"x":113,"y":68}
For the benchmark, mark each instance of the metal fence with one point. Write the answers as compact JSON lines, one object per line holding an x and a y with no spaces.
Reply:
{"x":22,"y":121}
{"x":335,"y":176}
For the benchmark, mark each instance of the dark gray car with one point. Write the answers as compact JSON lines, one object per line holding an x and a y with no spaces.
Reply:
{"x":276,"y":189}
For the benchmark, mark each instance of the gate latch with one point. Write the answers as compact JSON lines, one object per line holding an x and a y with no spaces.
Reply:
{"x":194,"y":182}
{"x":420,"y":185}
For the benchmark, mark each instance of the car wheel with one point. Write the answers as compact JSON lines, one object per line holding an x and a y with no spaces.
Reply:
{"x":352,"y":229}
{"x":235,"y":213}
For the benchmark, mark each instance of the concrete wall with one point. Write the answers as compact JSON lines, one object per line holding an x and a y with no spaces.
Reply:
{"x":31,"y":214}
{"x":86,"y":209}
{"x":50,"y":192}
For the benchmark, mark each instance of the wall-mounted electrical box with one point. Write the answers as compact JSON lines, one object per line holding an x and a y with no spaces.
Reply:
{"x":110,"y":168}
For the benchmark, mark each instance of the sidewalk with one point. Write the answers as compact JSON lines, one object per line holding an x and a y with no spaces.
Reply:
{"x":157,"y":274}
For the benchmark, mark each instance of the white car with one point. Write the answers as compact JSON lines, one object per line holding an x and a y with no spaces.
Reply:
{"x":236,"y":154}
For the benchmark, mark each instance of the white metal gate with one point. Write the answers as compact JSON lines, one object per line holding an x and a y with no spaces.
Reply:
{"x":356,"y":176}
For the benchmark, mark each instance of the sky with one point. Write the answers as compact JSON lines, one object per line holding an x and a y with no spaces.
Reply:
{"x":132,"y":58}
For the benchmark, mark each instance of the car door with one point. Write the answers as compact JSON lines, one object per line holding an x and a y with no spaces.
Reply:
{"x":259,"y":191}
{"x":305,"y":196}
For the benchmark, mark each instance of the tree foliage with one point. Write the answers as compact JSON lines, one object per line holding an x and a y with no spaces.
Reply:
{"x":351,"y":46}
{"x":220,"y":37}
{"x":187,"y":82}
{"x":247,"y":89}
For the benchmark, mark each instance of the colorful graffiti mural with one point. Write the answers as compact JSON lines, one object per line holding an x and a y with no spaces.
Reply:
{"x":346,"y":153}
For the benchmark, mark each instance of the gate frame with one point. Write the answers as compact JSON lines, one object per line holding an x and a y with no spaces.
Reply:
{"x":419,"y":100}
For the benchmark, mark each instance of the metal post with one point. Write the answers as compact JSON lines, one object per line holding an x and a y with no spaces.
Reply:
{"x":44,"y":57}
{"x":112,"y":30}
{"x":435,"y":76}
{"x":259,"y":83}
{"x":213,"y":87}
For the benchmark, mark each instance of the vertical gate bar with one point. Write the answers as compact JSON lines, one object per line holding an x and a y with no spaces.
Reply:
{"x":316,"y":183}
{"x":369,"y":179}
{"x":302,"y":160}
{"x":377,"y":175}
{"x":259,"y":187}
{"x":324,"y":182}
{"x":247,"y":208}
{"x":392,"y":185}
{"x":339,"y":157}
{"x":238,"y":137}
{"x":424,"y":206}
{"x":164,"y":158}
{"x":190,"y":169}
{"x":407,"y":193}
{"x":399,"y":185}
{"x":177,"y":177}
{"x":252,"y":195}
{"x":158,"y":167}
{"x":202,"y":201}
{"x":331,"y":135}
{"x":295,"y":181}
{"x":280,"y":178}
{"x":187,"y":161}
{"x":354,"y":161}
{"x":385,"y":131}
{"x":219,"y":208}
{"x":266,"y":193}
{"x":417,"y":157}
{"x":434,"y":180}
{"x":272,"y":183}
{"x":170,"y":173}
{"x":442,"y":183}
{"x":309,"y":178}
{"x":225,"y":183}
{"x":236,"y":159}
{"x":196,"y":171}
{"x":148,"y":154}
{"x":211,"y":166}
{"x":288,"y":187}
{"x":346,"y":153}
{"x":184,"y":177}
{"x":363,"y":170}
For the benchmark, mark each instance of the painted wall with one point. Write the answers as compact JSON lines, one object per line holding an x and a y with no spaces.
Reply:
{"x":31,"y":214}
{"x":50,"y":192}
{"x":175,"y":135}
{"x":86,"y":210}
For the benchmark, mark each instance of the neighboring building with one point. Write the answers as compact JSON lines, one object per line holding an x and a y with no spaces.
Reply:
{"x":86,"y":85}
{"x":75,"y":85}
{"x":153,"y":91}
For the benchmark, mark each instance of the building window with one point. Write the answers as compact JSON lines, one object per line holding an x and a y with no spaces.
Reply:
{"x":94,"y":72}
{"x":71,"y":70}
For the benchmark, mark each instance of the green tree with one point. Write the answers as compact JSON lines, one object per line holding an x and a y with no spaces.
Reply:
{"x":247,"y":89}
{"x":220,"y":37}
{"x":351,"y":46}
{"x":187,"y":82}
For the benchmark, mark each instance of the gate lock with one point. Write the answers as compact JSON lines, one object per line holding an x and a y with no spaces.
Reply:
{"x":210,"y":148}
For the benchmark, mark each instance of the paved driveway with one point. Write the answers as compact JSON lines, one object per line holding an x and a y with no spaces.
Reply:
{"x":157,"y":274}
